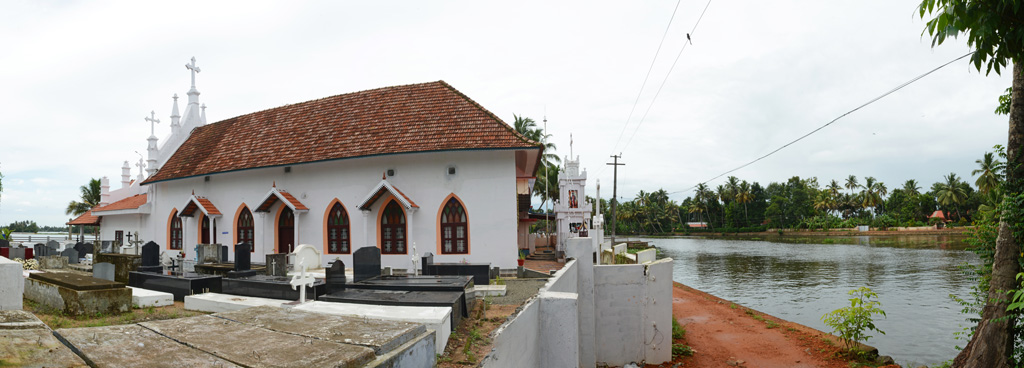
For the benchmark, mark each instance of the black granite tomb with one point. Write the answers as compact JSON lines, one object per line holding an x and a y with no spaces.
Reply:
{"x":335,"y":276}
{"x":273,"y":287}
{"x":223,"y":254}
{"x":365,"y":263}
{"x":243,"y":262}
{"x":4,"y":243}
{"x":481,"y":272}
{"x":41,"y":250}
{"x":85,"y":248}
{"x":151,"y":258}
{"x":180,"y":286}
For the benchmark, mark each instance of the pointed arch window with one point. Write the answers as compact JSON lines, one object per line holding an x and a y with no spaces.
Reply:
{"x":454,"y":228}
{"x":338,"y":236}
{"x":175,"y":231}
{"x":244,"y":229}
{"x":392,"y":229}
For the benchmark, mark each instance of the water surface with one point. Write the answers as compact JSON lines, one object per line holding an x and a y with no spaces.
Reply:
{"x":800,"y":279}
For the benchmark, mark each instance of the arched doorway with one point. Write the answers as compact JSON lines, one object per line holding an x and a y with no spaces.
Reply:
{"x":205,"y":231}
{"x":286,"y":231}
{"x":392,"y":229}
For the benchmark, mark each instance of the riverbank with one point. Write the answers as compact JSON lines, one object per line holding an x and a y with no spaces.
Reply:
{"x":722,"y":333}
{"x":823,"y":233}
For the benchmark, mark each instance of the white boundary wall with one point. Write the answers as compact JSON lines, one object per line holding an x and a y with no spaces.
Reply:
{"x":587,"y":314}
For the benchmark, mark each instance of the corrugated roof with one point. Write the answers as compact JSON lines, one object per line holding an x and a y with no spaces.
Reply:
{"x":402,"y":119}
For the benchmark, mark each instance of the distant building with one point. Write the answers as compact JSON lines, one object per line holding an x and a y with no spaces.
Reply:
{"x":572,"y":210}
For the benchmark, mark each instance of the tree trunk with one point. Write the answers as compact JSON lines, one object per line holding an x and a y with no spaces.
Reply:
{"x":992,"y":342}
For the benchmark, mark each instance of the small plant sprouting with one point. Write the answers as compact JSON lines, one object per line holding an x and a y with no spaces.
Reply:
{"x":681,"y":350}
{"x":852,"y":323}
{"x":678,"y":331}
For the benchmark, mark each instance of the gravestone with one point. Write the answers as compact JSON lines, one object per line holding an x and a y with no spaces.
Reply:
{"x":306,"y":258}
{"x":207,"y":253}
{"x":4,"y":243}
{"x":335,"y":276}
{"x":18,"y":252}
{"x":40,"y":250}
{"x":243,"y":262}
{"x":71,"y":254}
{"x":52,"y":262}
{"x":105,"y":246}
{"x":53,"y":245}
{"x":151,"y":258}
{"x":83,"y":249}
{"x":427,"y":259}
{"x":277,"y":264}
{"x":223,"y":254}
{"x":103,"y":270}
{"x":365,"y":263}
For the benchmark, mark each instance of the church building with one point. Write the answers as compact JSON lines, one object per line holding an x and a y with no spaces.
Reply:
{"x":409,"y":169}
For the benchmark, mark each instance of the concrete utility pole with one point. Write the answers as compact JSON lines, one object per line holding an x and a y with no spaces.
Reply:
{"x":615,"y":186}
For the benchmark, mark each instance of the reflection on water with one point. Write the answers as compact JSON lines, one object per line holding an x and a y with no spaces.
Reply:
{"x":800,"y":279}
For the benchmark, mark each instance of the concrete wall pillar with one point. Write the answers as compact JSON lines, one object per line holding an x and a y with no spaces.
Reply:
{"x":582,"y":250}
{"x":559,"y":331}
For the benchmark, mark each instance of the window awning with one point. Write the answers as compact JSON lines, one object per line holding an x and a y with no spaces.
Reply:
{"x":275,"y":195}
{"x":199,"y":203}
{"x":380,"y":190}
{"x":86,"y":219}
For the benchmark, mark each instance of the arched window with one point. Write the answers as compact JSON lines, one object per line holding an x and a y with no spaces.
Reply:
{"x":244,"y":229}
{"x":454,"y":228}
{"x":338,"y":231}
{"x":175,"y":231}
{"x":392,"y":229}
{"x":204,"y":231}
{"x":286,"y":231}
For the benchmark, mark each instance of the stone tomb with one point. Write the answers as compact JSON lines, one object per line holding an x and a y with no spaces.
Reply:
{"x":123,"y":264}
{"x":27,"y":342}
{"x":76,"y":294}
{"x":450,"y":299}
{"x":213,"y":253}
{"x":277,"y":264}
{"x":11,"y":286}
{"x":150,"y":261}
{"x":243,"y":261}
{"x":133,"y":346}
{"x":71,"y":254}
{"x":335,"y":276}
{"x":54,"y":262}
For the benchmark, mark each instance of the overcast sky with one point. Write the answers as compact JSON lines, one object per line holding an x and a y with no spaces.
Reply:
{"x":77,"y":79}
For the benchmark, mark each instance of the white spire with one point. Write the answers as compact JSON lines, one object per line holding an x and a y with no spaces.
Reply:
{"x":203,"y":114}
{"x":126,"y":175}
{"x":152,"y":121}
{"x":175,"y":115}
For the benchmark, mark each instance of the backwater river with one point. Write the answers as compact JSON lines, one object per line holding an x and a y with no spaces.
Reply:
{"x":800,"y":279}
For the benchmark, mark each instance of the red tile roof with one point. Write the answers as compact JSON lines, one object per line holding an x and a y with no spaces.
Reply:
{"x":85,"y":219}
{"x":132,"y":202}
{"x":273,"y":196}
{"x":380,"y":192}
{"x":402,"y":119}
{"x":195,"y":202}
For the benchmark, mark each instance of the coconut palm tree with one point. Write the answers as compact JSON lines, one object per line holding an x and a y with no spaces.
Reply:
{"x":991,"y":173}
{"x":744,"y":196}
{"x":851,"y":183}
{"x":911,"y":187}
{"x":528,"y":128}
{"x":90,"y":197}
{"x":950,"y":193}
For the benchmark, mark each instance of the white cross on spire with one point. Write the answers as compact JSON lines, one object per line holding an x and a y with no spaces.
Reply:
{"x":195,"y":69}
{"x":152,"y":119}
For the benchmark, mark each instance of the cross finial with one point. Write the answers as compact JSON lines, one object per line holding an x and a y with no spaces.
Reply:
{"x":152,"y":119}
{"x":195,"y":69}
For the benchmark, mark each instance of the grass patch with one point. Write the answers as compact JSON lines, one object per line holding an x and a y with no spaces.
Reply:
{"x":750,"y":312}
{"x":678,"y":331}
{"x":770,"y":324}
{"x":732,"y":305}
{"x":58,"y":319}
{"x":681,"y":350}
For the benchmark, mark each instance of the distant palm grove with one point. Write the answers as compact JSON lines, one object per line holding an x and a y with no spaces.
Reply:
{"x":805,"y":203}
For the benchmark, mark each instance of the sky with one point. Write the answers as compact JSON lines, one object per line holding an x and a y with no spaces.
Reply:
{"x":77,"y":80}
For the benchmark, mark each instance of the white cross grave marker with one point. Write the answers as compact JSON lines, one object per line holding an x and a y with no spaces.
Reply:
{"x":306,"y":257}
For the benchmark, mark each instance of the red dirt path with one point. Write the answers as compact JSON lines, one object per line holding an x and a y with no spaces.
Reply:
{"x":723,"y":334}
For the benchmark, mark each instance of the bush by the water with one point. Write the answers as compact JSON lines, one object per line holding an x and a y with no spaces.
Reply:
{"x":852,"y":323}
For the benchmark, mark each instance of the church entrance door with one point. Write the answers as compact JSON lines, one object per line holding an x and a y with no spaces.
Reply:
{"x":286,"y":231}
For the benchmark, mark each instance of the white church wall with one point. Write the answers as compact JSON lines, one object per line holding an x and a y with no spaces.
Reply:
{"x":484,"y":182}
{"x":129,"y":224}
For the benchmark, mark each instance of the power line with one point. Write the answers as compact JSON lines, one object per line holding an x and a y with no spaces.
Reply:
{"x":873,"y":100}
{"x":646,"y":77}
{"x":663,"y":81}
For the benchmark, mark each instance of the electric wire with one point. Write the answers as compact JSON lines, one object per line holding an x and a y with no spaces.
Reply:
{"x":873,"y":100}
{"x":663,"y":81}
{"x":646,"y":77}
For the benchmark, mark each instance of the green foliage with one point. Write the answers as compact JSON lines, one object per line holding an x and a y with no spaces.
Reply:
{"x":23,"y":227}
{"x":678,"y":331}
{"x":993,"y":28}
{"x":5,"y":233}
{"x":852,"y":323}
{"x":681,"y":350}
{"x":90,"y":197}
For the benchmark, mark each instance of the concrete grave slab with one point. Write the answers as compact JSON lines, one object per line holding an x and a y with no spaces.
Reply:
{"x":130,"y":345}
{"x":74,"y":301}
{"x":227,"y":339}
{"x":75,"y":281}
{"x":216,"y":302}
{"x":19,"y":320}
{"x":26,"y":342}
{"x":142,"y":298}
{"x":434,"y":318}
{"x":380,"y":335}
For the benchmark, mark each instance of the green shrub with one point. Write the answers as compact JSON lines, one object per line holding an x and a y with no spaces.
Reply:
{"x":678,"y":331}
{"x":681,"y":350}
{"x":852,"y":323}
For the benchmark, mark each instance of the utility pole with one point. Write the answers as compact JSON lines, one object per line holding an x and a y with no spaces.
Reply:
{"x":615,"y":186}
{"x":547,"y":216}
